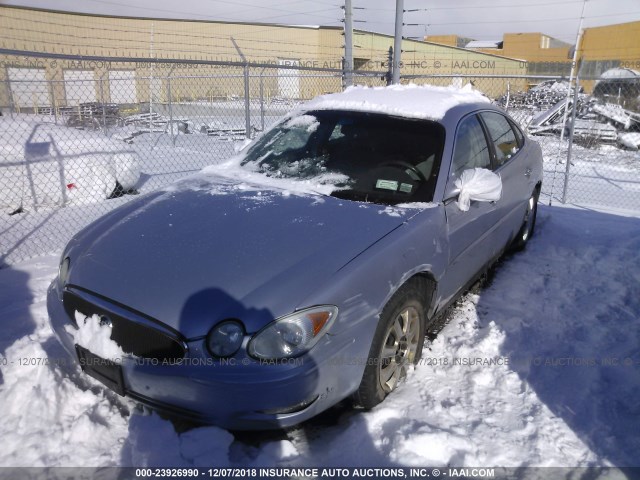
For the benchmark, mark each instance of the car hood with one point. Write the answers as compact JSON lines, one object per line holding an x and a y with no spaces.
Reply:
{"x":214,"y":250}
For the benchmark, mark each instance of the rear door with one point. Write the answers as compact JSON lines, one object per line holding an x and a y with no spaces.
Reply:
{"x":510,"y":162}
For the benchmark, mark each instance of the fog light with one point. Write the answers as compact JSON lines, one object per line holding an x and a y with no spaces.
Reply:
{"x":225,"y":338}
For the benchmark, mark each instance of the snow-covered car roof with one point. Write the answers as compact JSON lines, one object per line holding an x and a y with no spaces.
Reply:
{"x":413,"y":101}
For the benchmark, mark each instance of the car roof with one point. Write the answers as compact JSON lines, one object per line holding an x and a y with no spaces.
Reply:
{"x":411,"y":101}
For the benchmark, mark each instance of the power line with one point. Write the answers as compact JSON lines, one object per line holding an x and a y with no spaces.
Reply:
{"x":218,"y":17}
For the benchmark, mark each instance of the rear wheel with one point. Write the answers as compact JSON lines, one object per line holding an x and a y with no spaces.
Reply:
{"x":528,"y":224}
{"x":397,"y":344}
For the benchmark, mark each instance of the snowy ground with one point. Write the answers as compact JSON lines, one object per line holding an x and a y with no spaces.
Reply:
{"x":559,"y":322}
{"x":604,"y":177}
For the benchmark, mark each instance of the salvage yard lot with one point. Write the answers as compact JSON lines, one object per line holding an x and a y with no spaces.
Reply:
{"x":540,"y":367}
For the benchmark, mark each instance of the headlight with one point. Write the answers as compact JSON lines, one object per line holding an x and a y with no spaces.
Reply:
{"x":225,"y":338}
{"x":63,"y":272}
{"x":294,"y":334}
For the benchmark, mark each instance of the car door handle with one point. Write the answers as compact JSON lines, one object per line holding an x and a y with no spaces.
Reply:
{"x":527,"y":172}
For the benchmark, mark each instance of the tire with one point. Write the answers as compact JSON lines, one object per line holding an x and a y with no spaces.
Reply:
{"x":396,"y":345}
{"x":528,"y":224}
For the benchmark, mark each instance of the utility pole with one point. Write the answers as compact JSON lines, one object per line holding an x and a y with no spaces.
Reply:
{"x":397,"y":41}
{"x":574,"y":64}
{"x":348,"y":44}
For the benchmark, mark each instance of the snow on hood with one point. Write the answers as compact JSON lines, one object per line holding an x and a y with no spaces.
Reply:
{"x":414,"y":101}
{"x":232,"y":250}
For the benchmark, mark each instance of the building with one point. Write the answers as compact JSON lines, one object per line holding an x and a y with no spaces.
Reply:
{"x":612,"y":46}
{"x":544,"y":55}
{"x":451,"y":40}
{"x":601,"y":49}
{"x":59,"y":59}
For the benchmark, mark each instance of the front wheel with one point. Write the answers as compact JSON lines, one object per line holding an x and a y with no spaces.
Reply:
{"x":528,"y":224}
{"x":397,"y":344}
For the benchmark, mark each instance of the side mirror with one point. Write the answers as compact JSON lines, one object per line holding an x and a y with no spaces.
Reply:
{"x":478,"y":184}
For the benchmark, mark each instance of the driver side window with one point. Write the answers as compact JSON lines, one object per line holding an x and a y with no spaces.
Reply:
{"x":471,"y":149}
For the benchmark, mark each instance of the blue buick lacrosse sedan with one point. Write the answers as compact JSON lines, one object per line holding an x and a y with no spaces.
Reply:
{"x":305,"y":270}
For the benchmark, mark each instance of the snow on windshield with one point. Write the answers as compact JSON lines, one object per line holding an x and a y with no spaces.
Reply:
{"x":308,"y":122}
{"x":231,"y":176}
{"x":366,"y":145}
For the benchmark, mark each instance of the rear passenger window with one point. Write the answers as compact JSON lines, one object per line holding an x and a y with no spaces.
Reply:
{"x":502,"y":136}
{"x":519,"y":134}
{"x":471,"y":150}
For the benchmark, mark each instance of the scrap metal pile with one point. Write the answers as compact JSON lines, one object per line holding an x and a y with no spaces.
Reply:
{"x":542,"y":96}
{"x":597,"y":120}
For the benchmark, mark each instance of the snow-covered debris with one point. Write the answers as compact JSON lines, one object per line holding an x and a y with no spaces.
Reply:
{"x":44,"y":164}
{"x":427,"y":102}
{"x":630,"y":140}
{"x":594,"y":120}
{"x":542,"y":96}
{"x":234,"y":131}
{"x":616,"y":114}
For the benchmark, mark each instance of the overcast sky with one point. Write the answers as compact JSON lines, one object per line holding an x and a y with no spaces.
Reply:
{"x":478,"y":19}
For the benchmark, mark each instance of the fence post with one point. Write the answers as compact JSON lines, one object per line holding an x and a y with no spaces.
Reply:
{"x":506,"y":103}
{"x":12,"y":106}
{"x":53,"y":101}
{"x":262,"y":99}
{"x":173,"y":134}
{"x":104,"y":113}
{"x":247,"y":106}
{"x":565,"y":189}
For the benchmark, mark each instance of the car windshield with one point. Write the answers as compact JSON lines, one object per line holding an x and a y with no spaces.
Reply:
{"x":367,"y":156}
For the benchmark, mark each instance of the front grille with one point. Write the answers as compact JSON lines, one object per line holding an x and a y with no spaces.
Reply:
{"x":134,"y":337}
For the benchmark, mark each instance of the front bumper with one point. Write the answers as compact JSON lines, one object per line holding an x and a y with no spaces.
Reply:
{"x":238,"y":393}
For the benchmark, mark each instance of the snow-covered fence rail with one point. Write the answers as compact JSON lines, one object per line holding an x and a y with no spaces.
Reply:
{"x":79,"y":141}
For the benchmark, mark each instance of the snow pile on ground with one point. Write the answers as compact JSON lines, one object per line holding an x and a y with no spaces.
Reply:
{"x":52,"y":414}
{"x":539,"y":368}
{"x":602,"y":178}
{"x":46,"y":165}
{"x":629,"y":140}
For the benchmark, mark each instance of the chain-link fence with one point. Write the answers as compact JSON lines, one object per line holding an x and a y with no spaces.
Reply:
{"x":590,"y":144}
{"x":80,"y":141}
